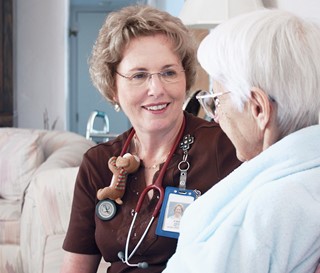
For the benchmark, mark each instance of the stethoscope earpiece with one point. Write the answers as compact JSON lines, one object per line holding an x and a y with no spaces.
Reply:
{"x":143,"y":265}
{"x":121,"y":256}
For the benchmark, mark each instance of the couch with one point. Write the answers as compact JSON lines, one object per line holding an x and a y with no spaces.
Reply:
{"x":37,"y":174}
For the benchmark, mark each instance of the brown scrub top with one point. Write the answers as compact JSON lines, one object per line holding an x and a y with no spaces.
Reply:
{"x":211,"y":158}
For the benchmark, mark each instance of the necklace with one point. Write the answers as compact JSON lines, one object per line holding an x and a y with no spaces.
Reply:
{"x":151,"y":167}
{"x":155,"y":166}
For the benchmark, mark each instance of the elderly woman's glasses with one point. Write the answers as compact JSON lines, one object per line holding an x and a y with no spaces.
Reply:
{"x":210,"y":101}
{"x":142,"y":77}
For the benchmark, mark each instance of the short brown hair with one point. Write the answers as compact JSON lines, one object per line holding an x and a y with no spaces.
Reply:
{"x":128,"y":23}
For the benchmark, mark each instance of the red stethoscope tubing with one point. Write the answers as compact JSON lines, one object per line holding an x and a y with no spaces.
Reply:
{"x":158,"y":183}
{"x":157,"y":186}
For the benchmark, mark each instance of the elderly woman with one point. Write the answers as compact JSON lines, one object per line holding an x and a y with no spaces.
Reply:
{"x":144,"y":61}
{"x":265,"y":215}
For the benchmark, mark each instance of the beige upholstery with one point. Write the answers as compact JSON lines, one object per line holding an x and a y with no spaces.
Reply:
{"x":37,"y":174}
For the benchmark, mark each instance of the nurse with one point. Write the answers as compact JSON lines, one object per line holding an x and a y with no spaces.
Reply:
{"x":144,"y":63}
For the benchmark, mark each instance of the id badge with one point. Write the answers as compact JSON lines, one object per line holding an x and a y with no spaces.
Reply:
{"x":174,"y":204}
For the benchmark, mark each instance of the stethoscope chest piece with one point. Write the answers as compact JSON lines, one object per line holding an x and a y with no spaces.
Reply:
{"x":106,"y":209}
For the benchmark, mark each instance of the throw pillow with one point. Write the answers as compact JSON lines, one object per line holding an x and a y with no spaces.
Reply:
{"x":20,"y":156}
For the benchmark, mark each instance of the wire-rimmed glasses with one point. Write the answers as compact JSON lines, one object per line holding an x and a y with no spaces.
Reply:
{"x":140,"y":78}
{"x":210,"y":101}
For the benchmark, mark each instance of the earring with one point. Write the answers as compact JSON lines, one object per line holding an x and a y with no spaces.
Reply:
{"x":117,"y":107}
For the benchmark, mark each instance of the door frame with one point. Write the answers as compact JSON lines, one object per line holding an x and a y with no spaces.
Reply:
{"x":72,"y":113}
{"x":73,"y":51}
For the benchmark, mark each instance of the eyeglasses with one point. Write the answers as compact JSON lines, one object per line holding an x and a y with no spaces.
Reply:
{"x":141,"y":77}
{"x":210,"y":102}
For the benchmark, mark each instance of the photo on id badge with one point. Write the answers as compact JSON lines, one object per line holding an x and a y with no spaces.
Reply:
{"x":173,"y":216}
{"x":172,"y":211}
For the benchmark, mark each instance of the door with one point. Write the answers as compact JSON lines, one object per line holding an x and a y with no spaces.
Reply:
{"x":84,"y":97}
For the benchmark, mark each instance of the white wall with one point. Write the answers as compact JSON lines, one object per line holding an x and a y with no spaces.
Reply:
{"x":306,"y":8}
{"x":172,"y":6}
{"x":41,"y":62}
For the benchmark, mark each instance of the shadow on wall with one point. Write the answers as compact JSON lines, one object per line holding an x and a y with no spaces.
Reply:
{"x":270,"y":3}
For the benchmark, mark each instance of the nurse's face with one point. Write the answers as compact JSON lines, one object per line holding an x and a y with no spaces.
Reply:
{"x":152,"y":103}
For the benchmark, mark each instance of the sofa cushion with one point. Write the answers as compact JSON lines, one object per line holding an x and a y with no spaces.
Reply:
{"x":20,"y":156}
{"x":10,"y":211}
{"x":10,"y":259}
{"x":53,"y":192}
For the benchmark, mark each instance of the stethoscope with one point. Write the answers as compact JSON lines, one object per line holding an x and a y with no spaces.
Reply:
{"x":157,"y":186}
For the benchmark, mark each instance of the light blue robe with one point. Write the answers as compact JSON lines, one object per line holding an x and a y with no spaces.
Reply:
{"x":263,"y":217}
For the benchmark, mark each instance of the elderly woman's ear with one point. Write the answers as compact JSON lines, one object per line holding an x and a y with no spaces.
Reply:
{"x":261,"y":107}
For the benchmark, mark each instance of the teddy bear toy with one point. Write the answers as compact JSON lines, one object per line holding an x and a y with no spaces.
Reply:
{"x":120,"y":166}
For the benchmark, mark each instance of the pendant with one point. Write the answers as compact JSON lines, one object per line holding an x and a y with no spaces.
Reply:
{"x":186,"y":142}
